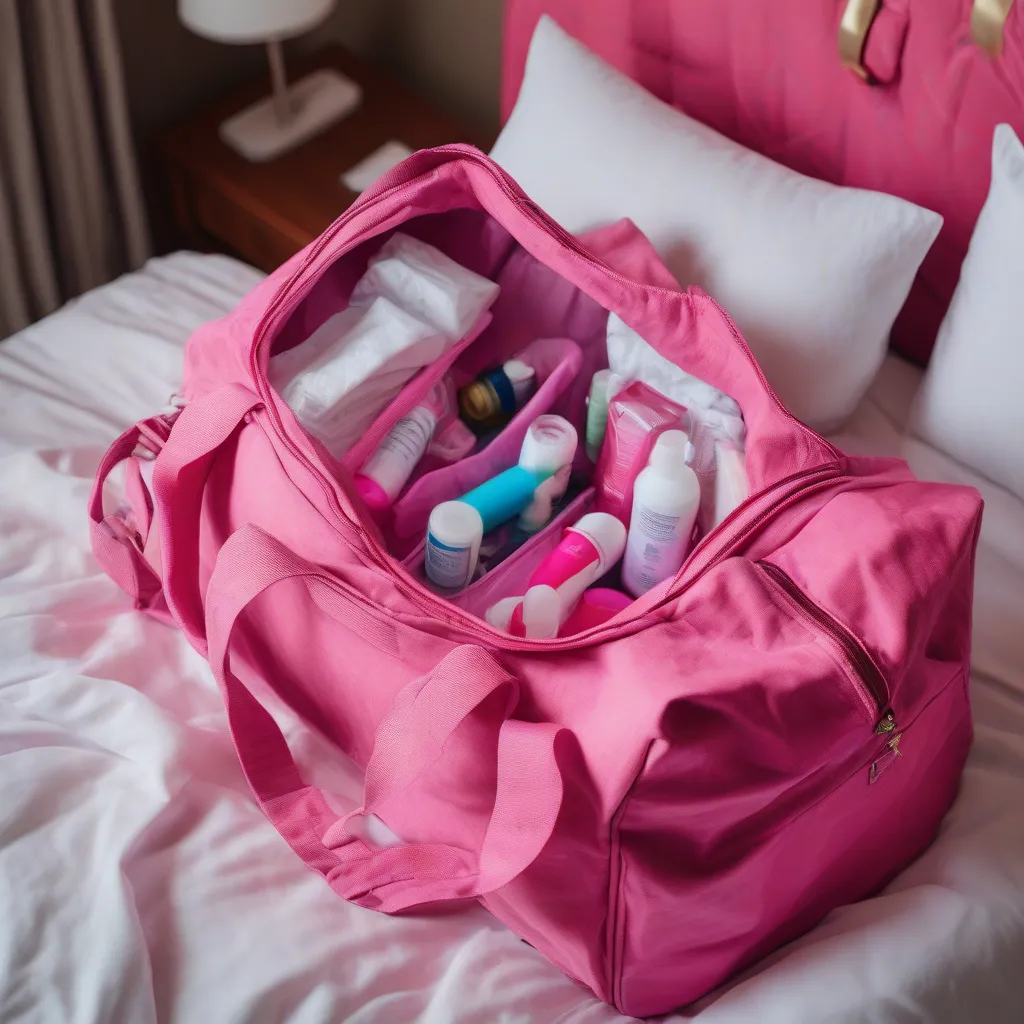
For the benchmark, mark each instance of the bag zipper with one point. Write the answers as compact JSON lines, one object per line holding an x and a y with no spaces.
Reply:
{"x":874,"y":690}
{"x":412,"y":588}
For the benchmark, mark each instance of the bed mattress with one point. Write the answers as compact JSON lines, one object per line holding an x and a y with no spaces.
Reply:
{"x":141,"y":883}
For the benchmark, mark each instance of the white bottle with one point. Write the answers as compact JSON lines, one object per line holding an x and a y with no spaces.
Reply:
{"x":666,"y":496}
{"x":454,"y":532}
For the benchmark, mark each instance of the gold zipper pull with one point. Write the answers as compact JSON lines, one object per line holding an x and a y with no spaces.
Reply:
{"x":887,"y":724}
{"x":890,"y":753}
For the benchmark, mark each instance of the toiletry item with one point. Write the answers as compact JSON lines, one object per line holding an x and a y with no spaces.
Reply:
{"x":496,"y":395}
{"x":427,"y":283}
{"x":387,"y":470}
{"x":666,"y":496}
{"x":500,"y":613}
{"x":714,"y":417}
{"x":549,"y":440}
{"x":503,"y":496}
{"x":411,"y":305}
{"x":636,"y":416}
{"x":732,"y":487}
{"x":586,"y":552}
{"x":596,"y":607}
{"x":604,"y":386}
{"x":499,"y":544}
{"x":454,"y":532}
{"x":548,"y":450}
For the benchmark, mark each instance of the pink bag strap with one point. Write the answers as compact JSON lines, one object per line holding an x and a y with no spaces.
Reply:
{"x":118,"y":539}
{"x":179,"y":480}
{"x":186,"y":453}
{"x":411,"y":737}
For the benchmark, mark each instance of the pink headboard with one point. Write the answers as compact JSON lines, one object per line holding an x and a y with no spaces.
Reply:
{"x":767,"y":73}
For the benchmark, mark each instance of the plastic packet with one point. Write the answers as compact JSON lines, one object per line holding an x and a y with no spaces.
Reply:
{"x":636,"y":416}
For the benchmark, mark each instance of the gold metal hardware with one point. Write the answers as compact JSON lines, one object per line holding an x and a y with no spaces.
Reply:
{"x":887,"y":724}
{"x":988,"y":19}
{"x":853,"y":32}
{"x":878,"y":766}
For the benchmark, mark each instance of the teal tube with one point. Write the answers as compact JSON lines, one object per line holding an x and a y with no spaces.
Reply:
{"x":504,"y":496}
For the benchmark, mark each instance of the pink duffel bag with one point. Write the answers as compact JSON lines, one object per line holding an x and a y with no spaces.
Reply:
{"x":653,"y":803}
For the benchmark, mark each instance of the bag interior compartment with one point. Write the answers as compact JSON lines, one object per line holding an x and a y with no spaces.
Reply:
{"x":556,"y":362}
{"x":538,"y":316}
{"x":534,"y":301}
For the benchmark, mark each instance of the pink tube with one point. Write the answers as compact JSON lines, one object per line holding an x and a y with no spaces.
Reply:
{"x":586,"y":552}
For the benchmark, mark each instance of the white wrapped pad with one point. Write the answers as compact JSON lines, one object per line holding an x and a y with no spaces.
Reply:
{"x":411,"y":305}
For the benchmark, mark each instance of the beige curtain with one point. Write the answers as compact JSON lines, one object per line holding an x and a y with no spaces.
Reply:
{"x":71,"y":210}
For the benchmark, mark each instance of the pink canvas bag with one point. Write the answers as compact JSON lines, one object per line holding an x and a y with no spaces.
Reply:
{"x":653,"y":803}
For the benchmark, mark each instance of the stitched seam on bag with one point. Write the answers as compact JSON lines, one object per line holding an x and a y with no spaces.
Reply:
{"x":615,"y":907}
{"x":331,"y":520}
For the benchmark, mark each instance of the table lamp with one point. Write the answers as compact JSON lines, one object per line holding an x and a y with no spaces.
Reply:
{"x":293,"y":113}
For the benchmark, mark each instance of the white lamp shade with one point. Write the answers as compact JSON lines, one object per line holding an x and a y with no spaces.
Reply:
{"x":252,"y":21}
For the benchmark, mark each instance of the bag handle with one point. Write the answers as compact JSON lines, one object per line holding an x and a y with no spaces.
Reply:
{"x":119,"y":539}
{"x":411,"y":737}
{"x":179,"y":482}
{"x":179,"y":479}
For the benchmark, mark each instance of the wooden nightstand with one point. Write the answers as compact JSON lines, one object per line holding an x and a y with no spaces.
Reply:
{"x":264,"y":213}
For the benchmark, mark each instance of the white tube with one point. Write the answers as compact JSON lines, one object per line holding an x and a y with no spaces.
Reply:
{"x":387,"y":470}
{"x":548,"y":450}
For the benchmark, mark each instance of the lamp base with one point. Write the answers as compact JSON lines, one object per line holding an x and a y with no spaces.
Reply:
{"x":317,"y":101}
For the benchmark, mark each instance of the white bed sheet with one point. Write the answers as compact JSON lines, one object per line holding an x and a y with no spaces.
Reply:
{"x":140,"y":883}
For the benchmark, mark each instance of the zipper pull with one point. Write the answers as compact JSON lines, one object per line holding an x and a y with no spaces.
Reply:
{"x":891,"y":752}
{"x":887,"y":724}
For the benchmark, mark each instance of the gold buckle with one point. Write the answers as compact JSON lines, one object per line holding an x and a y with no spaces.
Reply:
{"x":988,"y":19}
{"x":853,"y":31}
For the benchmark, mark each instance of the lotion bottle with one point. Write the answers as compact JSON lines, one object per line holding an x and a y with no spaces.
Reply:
{"x":666,"y":497}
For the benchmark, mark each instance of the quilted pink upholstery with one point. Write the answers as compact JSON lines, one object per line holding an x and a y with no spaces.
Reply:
{"x":768,"y":75}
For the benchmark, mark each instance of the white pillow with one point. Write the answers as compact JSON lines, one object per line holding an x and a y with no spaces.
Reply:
{"x":971,"y":404}
{"x":813,"y":274}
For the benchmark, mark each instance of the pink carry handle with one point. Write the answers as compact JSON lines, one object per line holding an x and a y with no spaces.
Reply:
{"x":179,"y":478}
{"x":411,"y":737}
{"x":118,"y":542}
